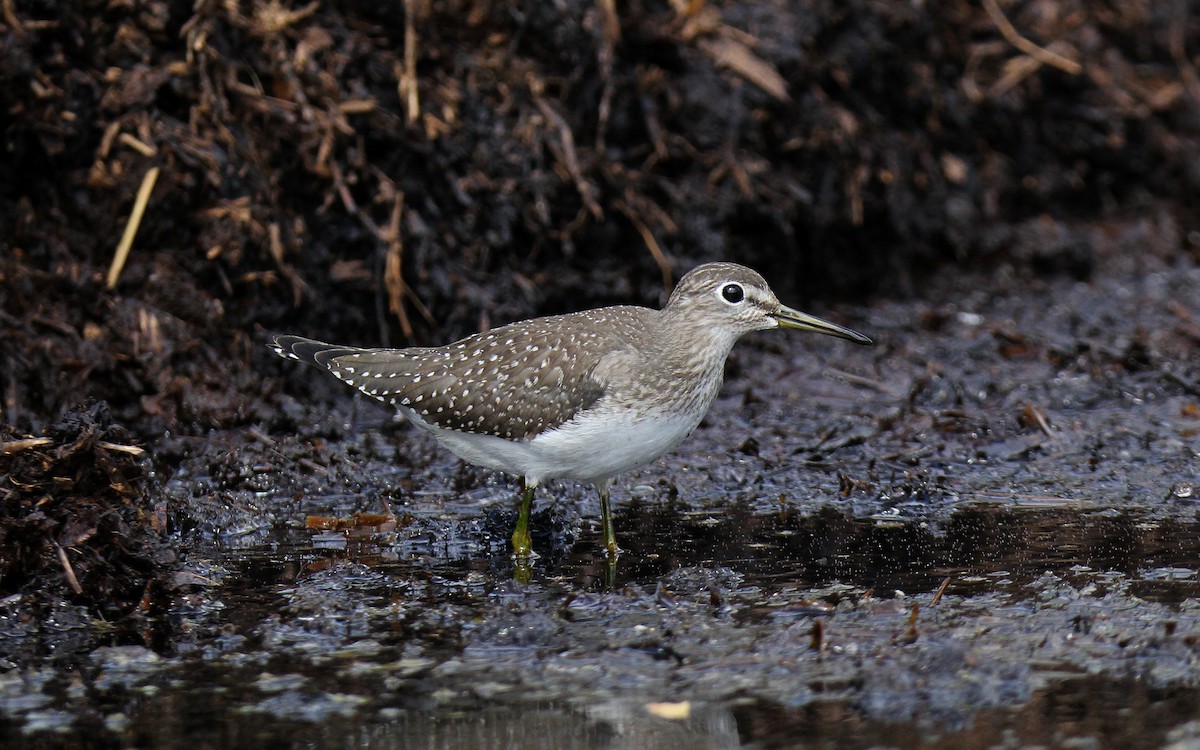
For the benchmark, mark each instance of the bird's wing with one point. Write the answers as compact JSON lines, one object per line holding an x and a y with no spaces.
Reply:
{"x":513,"y":382}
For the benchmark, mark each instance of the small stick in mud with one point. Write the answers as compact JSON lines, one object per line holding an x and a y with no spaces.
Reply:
{"x":818,"y":636}
{"x":910,"y":633}
{"x":1032,"y":414}
{"x":941,"y":590}
{"x":68,"y":570}
{"x":16,"y":446}
{"x":132,"y":450}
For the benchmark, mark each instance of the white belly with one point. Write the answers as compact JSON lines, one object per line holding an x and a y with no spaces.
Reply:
{"x":593,"y":448}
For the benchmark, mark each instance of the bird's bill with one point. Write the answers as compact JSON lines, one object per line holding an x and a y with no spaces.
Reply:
{"x":789,"y":318}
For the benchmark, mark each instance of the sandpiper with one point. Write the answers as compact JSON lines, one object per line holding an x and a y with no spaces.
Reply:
{"x":585,"y":396}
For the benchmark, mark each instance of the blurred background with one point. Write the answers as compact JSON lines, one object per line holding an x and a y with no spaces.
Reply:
{"x":410,"y":172}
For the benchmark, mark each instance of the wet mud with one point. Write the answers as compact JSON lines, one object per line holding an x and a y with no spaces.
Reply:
{"x":983,"y":532}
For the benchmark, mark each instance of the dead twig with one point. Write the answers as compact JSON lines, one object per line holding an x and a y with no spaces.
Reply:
{"x":1015,"y":70}
{"x":652,"y":245}
{"x":68,"y":570}
{"x":728,"y":47}
{"x":131,"y":227}
{"x":389,"y":236}
{"x":818,"y":637}
{"x":569,"y":156}
{"x":393,"y":276}
{"x":407,"y":84}
{"x":132,"y":141}
{"x":941,"y":591}
{"x":132,"y":450}
{"x":273,"y":17}
{"x":275,"y":247}
{"x":9,"y":13}
{"x":1041,"y":54}
{"x":1033,"y":414}
{"x":16,"y":446}
{"x":610,"y":27}
{"x":911,"y":633}
{"x":732,"y":53}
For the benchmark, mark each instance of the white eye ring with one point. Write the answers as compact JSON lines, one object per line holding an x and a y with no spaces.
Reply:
{"x":732,"y":293}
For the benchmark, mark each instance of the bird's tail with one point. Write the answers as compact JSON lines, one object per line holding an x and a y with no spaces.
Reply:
{"x":310,"y":351}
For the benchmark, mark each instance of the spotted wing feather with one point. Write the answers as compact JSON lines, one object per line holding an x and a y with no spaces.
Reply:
{"x":309,"y":351}
{"x":513,"y":382}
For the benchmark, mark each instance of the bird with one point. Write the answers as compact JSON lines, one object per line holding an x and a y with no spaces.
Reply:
{"x":584,"y":396}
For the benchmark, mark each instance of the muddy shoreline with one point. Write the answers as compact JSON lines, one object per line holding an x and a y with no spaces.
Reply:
{"x":781,"y":567}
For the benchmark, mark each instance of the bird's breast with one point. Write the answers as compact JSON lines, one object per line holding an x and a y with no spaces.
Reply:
{"x":600,"y":443}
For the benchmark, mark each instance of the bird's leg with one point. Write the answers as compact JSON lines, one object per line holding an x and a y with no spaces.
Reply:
{"x":610,"y":572}
{"x":610,"y":536}
{"x":522,"y":541}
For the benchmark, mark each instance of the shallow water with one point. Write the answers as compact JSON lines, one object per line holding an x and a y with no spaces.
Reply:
{"x":324,"y":643}
{"x":981,"y":549}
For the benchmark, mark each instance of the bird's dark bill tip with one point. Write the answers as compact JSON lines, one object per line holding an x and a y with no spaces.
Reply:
{"x":801,"y":321}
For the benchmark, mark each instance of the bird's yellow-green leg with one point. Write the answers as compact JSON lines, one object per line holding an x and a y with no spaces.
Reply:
{"x":522,"y":541}
{"x":522,"y":570}
{"x":610,"y":536}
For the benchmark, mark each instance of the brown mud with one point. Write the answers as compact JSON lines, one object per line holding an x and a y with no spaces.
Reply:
{"x":981,"y":532}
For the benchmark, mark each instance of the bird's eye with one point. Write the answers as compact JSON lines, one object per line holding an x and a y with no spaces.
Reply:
{"x":733,"y":293}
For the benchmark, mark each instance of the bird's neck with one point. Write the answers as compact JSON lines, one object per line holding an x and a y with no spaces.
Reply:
{"x":690,"y":347}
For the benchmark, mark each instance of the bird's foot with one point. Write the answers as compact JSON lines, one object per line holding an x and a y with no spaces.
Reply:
{"x":522,"y":544}
{"x":527,"y":555}
{"x":522,"y":570}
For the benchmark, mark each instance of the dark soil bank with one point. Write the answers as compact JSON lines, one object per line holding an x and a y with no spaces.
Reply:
{"x":981,"y":532}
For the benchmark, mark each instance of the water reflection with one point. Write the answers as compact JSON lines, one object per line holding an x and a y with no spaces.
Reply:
{"x":973,"y":548}
{"x":1090,"y":711}
{"x":1083,"y":711}
{"x":981,"y":549}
